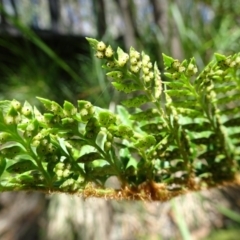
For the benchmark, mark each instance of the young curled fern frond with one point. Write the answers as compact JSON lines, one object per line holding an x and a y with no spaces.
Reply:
{"x":180,"y":135}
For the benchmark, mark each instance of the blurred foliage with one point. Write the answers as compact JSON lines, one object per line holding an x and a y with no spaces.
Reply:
{"x":225,"y":234}
{"x":200,"y":30}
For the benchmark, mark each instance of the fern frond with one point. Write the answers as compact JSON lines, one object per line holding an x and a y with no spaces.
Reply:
{"x":180,"y":135}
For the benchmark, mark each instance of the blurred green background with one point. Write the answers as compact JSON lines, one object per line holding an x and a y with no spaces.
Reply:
{"x":43,"y":52}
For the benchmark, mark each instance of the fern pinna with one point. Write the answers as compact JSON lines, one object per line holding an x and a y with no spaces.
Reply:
{"x":176,"y":132}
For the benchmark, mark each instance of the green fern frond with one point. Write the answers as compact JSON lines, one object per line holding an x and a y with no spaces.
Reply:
{"x":180,"y":134}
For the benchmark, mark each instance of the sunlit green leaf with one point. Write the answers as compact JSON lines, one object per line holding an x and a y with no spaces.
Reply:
{"x":136,"y":101}
{"x":167,"y":60}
